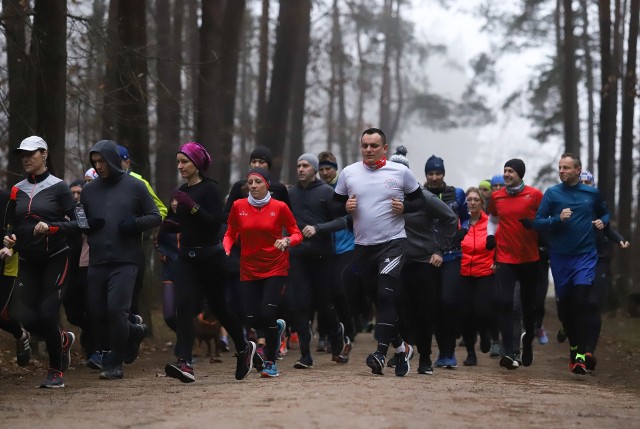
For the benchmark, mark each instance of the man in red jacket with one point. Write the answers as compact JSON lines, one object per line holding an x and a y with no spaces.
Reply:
{"x":511,"y":213}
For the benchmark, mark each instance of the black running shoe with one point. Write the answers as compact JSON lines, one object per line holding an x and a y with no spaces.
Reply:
{"x":393,"y":361}
{"x":53,"y":380}
{"x":561,"y":336}
{"x":111,"y":372}
{"x":343,"y":357}
{"x":425,"y":366}
{"x":137,"y":334}
{"x":305,"y":361}
{"x":509,"y":362}
{"x":245,"y":360}
{"x":180,"y":370}
{"x":578,"y":367}
{"x":259,"y":358}
{"x":67,"y":342}
{"x":23,"y":348}
{"x":375,"y":361}
{"x":338,"y":340}
{"x":471,"y":360}
{"x":527,"y":350}
{"x":402,"y":361}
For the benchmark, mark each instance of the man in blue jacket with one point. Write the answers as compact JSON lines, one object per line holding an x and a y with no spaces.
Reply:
{"x":570,"y":213}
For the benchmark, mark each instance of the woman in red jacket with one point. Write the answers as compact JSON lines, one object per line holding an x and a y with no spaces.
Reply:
{"x":258,"y":221}
{"x":477,"y":275}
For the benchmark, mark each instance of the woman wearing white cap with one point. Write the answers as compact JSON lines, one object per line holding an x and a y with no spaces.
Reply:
{"x":36,"y":225}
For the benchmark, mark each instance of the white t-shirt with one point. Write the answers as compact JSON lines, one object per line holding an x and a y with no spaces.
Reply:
{"x":373,"y":220}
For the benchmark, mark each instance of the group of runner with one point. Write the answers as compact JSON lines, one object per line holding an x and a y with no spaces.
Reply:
{"x":431,"y":259}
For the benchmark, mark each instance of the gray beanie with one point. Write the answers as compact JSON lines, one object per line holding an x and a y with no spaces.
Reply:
{"x":311,"y":159}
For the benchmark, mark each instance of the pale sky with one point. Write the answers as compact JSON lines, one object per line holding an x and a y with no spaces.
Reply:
{"x":471,"y":154}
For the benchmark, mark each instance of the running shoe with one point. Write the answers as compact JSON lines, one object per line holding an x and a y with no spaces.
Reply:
{"x":561,"y":336}
{"x":305,"y":361}
{"x":496,"y":349}
{"x":375,"y":361}
{"x":67,"y":341}
{"x":337,"y":341}
{"x":402,"y":361}
{"x":137,"y":334}
{"x":590,"y":361}
{"x":95,"y":361}
{"x":23,"y":348}
{"x":136,"y":319}
{"x":541,"y":335}
{"x":322,"y":345}
{"x":282,"y":351}
{"x":270,"y":370}
{"x":294,"y":341}
{"x":450,"y":362}
{"x":180,"y":370}
{"x":110,"y":372}
{"x":509,"y":362}
{"x":527,"y":350}
{"x":425,"y":366}
{"x":578,"y":367}
{"x":245,"y":360}
{"x":471,"y":360}
{"x":53,"y":380}
{"x":258,"y":357}
{"x":343,"y":357}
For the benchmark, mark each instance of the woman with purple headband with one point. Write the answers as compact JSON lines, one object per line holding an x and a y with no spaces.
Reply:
{"x":200,"y":268}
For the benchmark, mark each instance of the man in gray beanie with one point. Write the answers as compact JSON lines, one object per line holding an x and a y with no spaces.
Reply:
{"x":312,"y":263}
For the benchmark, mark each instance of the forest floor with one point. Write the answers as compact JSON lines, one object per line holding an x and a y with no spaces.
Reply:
{"x":330,"y":395}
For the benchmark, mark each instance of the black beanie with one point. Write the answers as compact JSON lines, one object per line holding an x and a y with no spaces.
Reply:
{"x":517,"y":165}
{"x":263,"y":153}
{"x":434,"y":164}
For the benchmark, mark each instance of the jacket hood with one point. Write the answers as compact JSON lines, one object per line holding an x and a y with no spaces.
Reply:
{"x":108,"y":149}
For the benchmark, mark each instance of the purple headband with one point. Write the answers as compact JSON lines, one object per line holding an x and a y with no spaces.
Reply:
{"x":197,"y":154}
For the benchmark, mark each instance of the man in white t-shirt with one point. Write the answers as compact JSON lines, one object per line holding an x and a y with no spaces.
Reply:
{"x":376,"y":193}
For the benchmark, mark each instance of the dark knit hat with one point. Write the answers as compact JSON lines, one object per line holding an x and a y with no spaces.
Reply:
{"x":517,"y":165}
{"x":400,"y":156}
{"x":264,"y":174}
{"x":77,"y":182}
{"x":263,"y":153}
{"x":434,"y":164}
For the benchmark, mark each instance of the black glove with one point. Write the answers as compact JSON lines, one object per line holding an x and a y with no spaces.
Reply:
{"x":526,"y":222}
{"x":459,"y":235}
{"x":95,"y":224}
{"x":128,"y":226}
{"x":491,"y":242}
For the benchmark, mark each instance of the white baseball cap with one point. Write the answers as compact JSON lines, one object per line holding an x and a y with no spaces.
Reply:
{"x":33,"y":143}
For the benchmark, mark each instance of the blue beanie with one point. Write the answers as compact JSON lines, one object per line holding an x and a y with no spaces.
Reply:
{"x":497,"y":180}
{"x":434,"y":164}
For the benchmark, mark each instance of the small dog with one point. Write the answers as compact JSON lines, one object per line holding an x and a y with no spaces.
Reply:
{"x":207,"y":328}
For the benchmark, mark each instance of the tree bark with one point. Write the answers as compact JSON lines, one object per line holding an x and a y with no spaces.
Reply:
{"x":49,"y":58}
{"x":626,"y":145}
{"x":231,"y":36}
{"x":274,"y":128}
{"x":589,"y":85}
{"x":209,"y":113}
{"x":263,"y":69}
{"x":569,"y":84}
{"x":21,"y":113}
{"x":169,"y":58}
{"x":299,"y":89}
{"x":609,"y":85}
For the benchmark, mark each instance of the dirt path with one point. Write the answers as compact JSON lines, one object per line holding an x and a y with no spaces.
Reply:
{"x":328,"y":395}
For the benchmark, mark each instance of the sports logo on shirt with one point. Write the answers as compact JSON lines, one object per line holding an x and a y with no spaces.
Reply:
{"x":243,"y":213}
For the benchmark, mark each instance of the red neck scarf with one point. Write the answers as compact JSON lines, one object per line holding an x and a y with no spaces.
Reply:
{"x":376,"y":165}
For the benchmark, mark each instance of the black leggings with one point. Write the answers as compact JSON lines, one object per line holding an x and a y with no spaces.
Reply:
{"x":198,"y":278}
{"x":38,"y":290}
{"x":571,"y":311}
{"x":7,"y":321}
{"x":507,"y":275}
{"x":310,"y":285}
{"x":448,"y":324}
{"x":478,"y":294}
{"x":263,"y":298}
{"x":418,"y":304}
